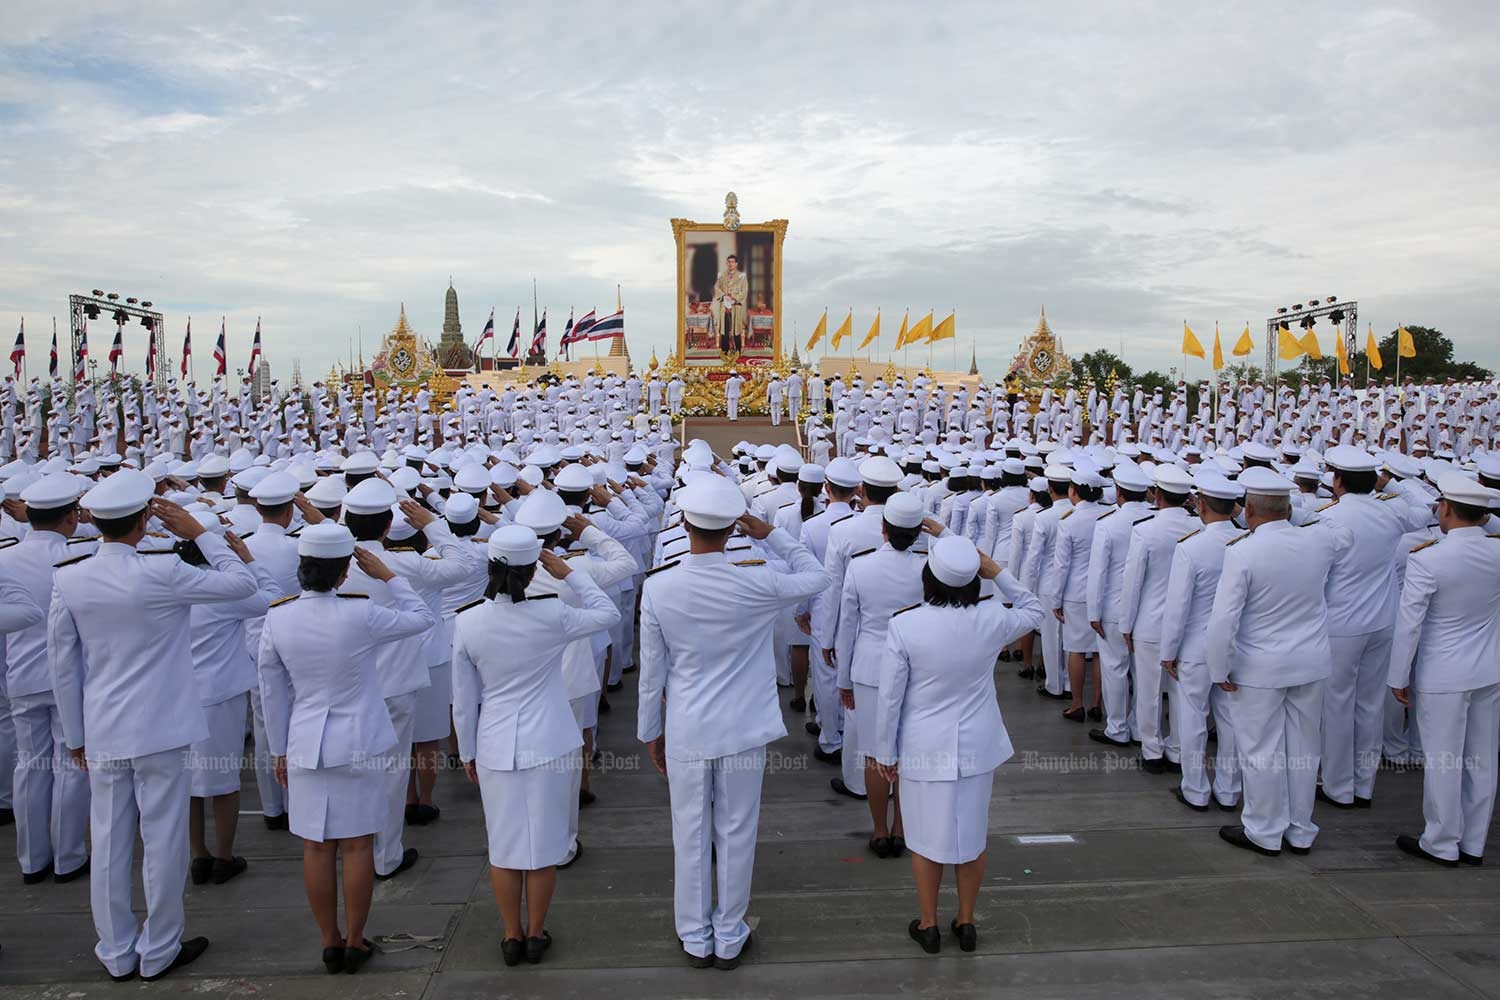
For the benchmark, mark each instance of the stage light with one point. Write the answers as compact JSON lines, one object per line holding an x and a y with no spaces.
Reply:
{"x":98,"y":292}
{"x":1281,"y":310}
{"x":1336,"y":317}
{"x":132,"y":300}
{"x":92,"y":312}
{"x":1312,"y":302}
{"x":147,"y":322}
{"x":121,"y":317}
{"x":145,"y":305}
{"x":113,"y":296}
{"x":1297,"y":307}
{"x":1332,"y":299}
{"x":1308,"y":323}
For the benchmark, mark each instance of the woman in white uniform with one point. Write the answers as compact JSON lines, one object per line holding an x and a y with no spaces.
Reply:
{"x":794,"y":624}
{"x":328,"y":726}
{"x":516,"y":733}
{"x":939,"y":726}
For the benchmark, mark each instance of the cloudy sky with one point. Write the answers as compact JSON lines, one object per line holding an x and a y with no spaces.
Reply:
{"x":1128,"y":166}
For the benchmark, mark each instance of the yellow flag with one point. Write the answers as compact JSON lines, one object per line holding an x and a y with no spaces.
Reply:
{"x":1218,"y":350}
{"x":1405,"y":348}
{"x":1244,"y":345}
{"x":1287,"y":347}
{"x":1372,"y":349}
{"x":1340,"y":353}
{"x":920,"y":332}
{"x":843,"y":330}
{"x":873,"y":335}
{"x":819,"y":330}
{"x":1190,"y":343}
{"x":946,"y":330}
{"x":901,"y":333}
{"x":1310,"y":345}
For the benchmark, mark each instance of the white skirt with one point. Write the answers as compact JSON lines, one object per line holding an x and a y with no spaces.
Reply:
{"x":214,"y":762}
{"x":434,"y":704}
{"x":585,"y":710}
{"x":947,"y":821}
{"x":331,"y":803}
{"x":528,"y":814}
{"x":866,"y":700}
{"x":1077,"y":635}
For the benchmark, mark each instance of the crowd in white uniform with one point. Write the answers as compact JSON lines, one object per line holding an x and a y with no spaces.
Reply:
{"x":1311,"y":578}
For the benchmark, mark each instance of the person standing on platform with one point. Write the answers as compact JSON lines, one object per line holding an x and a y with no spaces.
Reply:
{"x":794,"y":394}
{"x":774,"y":392}
{"x":674,"y":395}
{"x":1445,"y":666}
{"x":707,"y":626}
{"x":732,"y":394}
{"x":120,"y":647}
{"x":1268,"y":649}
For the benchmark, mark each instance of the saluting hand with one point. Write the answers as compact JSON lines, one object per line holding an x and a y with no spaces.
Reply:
{"x":238,"y":547}
{"x":175,"y":519}
{"x":310,"y":514}
{"x":753,"y":526}
{"x":554,"y":564}
{"x":370,"y":563}
{"x":417,"y":516}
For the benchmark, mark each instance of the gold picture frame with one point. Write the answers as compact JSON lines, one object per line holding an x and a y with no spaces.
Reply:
{"x":680,"y":229}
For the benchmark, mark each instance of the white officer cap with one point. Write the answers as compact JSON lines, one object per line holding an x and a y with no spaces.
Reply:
{"x":711,"y":503}
{"x":275,"y":488}
{"x":1405,"y":466}
{"x":303,"y":472}
{"x":1259,"y":481}
{"x":361,"y":463}
{"x":1129,"y":476}
{"x":51,"y":492}
{"x":1172,"y":479}
{"x":401,"y":529}
{"x":1259,"y":452}
{"x":531,"y":475}
{"x":1306,"y":469}
{"x":1037,"y":484}
{"x":635,"y":456}
{"x":765,"y":452}
{"x":787,"y":460}
{"x":903,"y":510}
{"x":542,"y":511}
{"x":206,"y":517}
{"x":842,"y":472}
{"x":515,"y":545}
{"x":1211,"y":484}
{"x":325,"y":540}
{"x":879,"y":471}
{"x":461,"y":508}
{"x":213,"y":466}
{"x":1460,"y":488}
{"x":574,"y":477}
{"x":954,"y":560}
{"x":811,"y":472}
{"x":1085,"y":476}
{"x":504,"y":475}
{"x":1489,"y":466}
{"x":1058,"y":473}
{"x":545,"y":456}
{"x":1347,"y":458}
{"x":370,"y":497}
{"x":1013,"y":467}
{"x":122,"y":494}
{"x":248,"y":479}
{"x":327,"y":492}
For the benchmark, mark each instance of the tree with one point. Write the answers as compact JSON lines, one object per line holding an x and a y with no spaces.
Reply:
{"x":1434,"y":359}
{"x":1099,"y":364}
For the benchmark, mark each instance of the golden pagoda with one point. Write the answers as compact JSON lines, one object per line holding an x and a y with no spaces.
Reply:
{"x":1041,"y":358}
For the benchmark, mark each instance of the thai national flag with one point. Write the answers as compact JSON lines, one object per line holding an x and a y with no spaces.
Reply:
{"x":514,"y":347}
{"x":567,"y":335}
{"x":255,"y":348}
{"x":187,"y":346}
{"x":582,"y":328}
{"x":117,"y":349}
{"x":539,"y":338}
{"x":80,"y":367}
{"x":18,"y":353}
{"x":608,"y":327}
{"x":52,"y":363}
{"x":489,"y":331}
{"x":221,"y":355}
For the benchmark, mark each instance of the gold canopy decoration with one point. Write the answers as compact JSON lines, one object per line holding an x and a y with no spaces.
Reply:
{"x":405,"y":361}
{"x":1041,"y":359}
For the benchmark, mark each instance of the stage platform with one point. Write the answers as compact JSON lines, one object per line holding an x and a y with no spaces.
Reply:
{"x":1126,"y":894}
{"x":722,"y":434}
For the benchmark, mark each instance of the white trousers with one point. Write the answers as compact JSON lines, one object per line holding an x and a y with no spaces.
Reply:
{"x":715,"y":807}
{"x":825,"y":685}
{"x":272,"y":795}
{"x":1277,"y":730}
{"x":1196,"y":697}
{"x":776,"y":413}
{"x":1462,"y":734}
{"x":1114,"y":682}
{"x":388,"y":845}
{"x":1354,"y":698}
{"x":51,"y":792}
{"x":151,"y":794}
{"x":794,"y":405}
{"x":1151,"y":682}
{"x":7,"y":749}
{"x":1052,"y":653}
{"x":734,"y":407}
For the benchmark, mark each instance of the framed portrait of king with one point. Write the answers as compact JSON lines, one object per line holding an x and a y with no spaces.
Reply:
{"x":728,"y":292}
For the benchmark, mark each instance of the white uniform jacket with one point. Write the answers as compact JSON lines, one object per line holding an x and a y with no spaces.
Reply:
{"x":876,"y":586}
{"x":1447,"y":634}
{"x":1197,"y":562}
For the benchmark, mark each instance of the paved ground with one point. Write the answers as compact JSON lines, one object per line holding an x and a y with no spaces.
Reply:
{"x":1144,"y":899}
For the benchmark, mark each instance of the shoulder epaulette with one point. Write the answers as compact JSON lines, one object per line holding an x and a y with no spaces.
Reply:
{"x":1321,"y":509}
{"x":1308,"y":524}
{"x":1190,"y":534}
{"x":156,"y":552}
{"x":1240,"y":538}
{"x":986,"y":597}
{"x":861,"y":552}
{"x":906,"y":609}
{"x":284,"y":600}
{"x":575,"y":553}
{"x":295,"y":532}
{"x":1493,"y":534}
{"x":658,"y":569}
{"x":71,"y":541}
{"x":75,"y":559}
{"x":737,"y":548}
{"x":401,"y":548}
{"x":6,"y":543}
{"x":540,"y":597}
{"x":839,"y":519}
{"x":751,"y":562}
{"x":918,"y":552}
{"x":786,"y":505}
{"x":1108,"y":513}
{"x":247,"y":534}
{"x":1140,"y":519}
{"x":466,"y":607}
{"x":1067,"y":514}
{"x":1419,"y":548}
{"x":158,"y":534}
{"x":356,"y":597}
{"x":1388,"y":496}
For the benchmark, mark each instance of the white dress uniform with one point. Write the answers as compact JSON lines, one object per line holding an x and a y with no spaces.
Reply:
{"x":1197,"y":562}
{"x":275,"y":552}
{"x":511,"y":712}
{"x":824,"y":677}
{"x":1038,"y":575}
{"x":1447,"y":650}
{"x":51,"y":791}
{"x":706,"y":637}
{"x":119,"y":642}
{"x":1070,"y":568}
{"x":1268,"y":633}
{"x":1110,"y":545}
{"x":1143,"y":594}
{"x":938,"y":717}
{"x":325,"y":711}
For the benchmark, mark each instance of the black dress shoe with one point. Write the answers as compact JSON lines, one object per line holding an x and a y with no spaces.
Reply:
{"x":1323,"y":796}
{"x":1471,"y":859}
{"x":1041,"y":689}
{"x":187,"y":953}
{"x":275,"y":822}
{"x":930,"y":940}
{"x":512,"y":950}
{"x":201,"y":870}
{"x":32,"y":878}
{"x":881,"y":846}
{"x":123,"y":977}
{"x":7,"y":817}
{"x":356,"y":957}
{"x":411,"y":814}
{"x":612,"y":688}
{"x":333,"y":960}
{"x":1075,"y":714}
{"x":536,"y":947}
{"x":1177,"y":793}
{"x":1026,"y":673}
{"x":1413,"y":846}
{"x":797,"y":704}
{"x":630,"y":669}
{"x":829,"y":756}
{"x":898,"y":846}
{"x":1300,"y":851}
{"x":837,"y":784}
{"x":730,"y":964}
{"x":968,"y":936}
{"x":1236,"y":835}
{"x":63,"y":878}
{"x":586,"y":797}
{"x":812,"y":728}
{"x":603,"y":705}
{"x":408,"y":858}
{"x":1096,"y":714}
{"x":1100,"y":736}
{"x":224,"y":870}
{"x":1360,"y":803}
{"x":1172,"y":766}
{"x":1004,"y":656}
{"x":1226,"y":807}
{"x":1153,"y":765}
{"x":700,"y":961}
